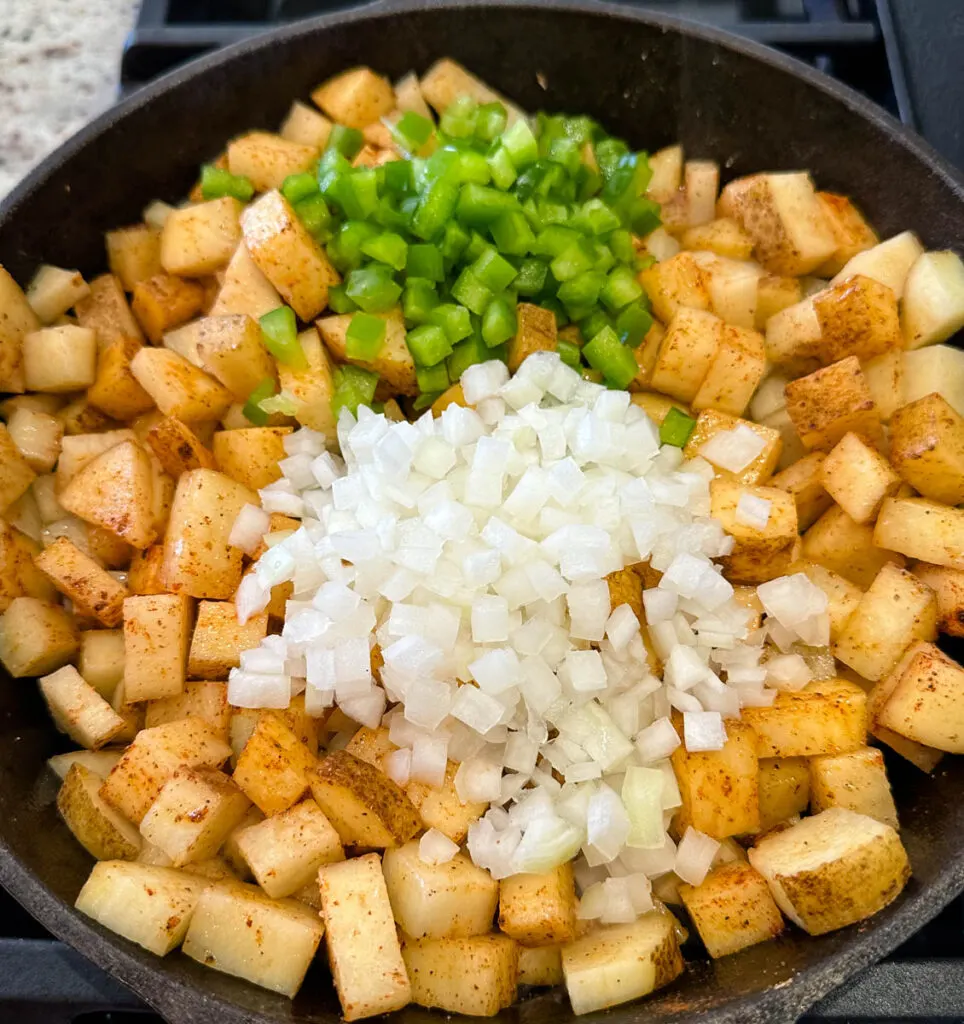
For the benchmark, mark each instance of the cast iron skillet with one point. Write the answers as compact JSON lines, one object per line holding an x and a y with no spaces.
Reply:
{"x":648,"y":78}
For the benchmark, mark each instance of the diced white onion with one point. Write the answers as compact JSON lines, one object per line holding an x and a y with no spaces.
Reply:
{"x":694,"y":856}
{"x":436,"y":848}
{"x":752,"y":510}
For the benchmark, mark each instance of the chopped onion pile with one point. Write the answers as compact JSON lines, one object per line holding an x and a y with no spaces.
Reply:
{"x":473,"y":548}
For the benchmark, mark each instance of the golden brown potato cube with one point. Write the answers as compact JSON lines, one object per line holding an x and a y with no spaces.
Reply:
{"x":758,"y":554}
{"x":437,"y":901}
{"x":539,"y":909}
{"x":313,"y":388}
{"x":852,"y":233}
{"x":732,"y":909}
{"x":365,"y":806}
{"x":836,"y":542}
{"x":722,"y":236}
{"x":157,"y":629}
{"x":105,"y":311}
{"x":885,"y":379}
{"x":115,"y":491}
{"x":204,"y":699}
{"x":858,"y":478}
{"x":287,"y":254}
{"x":857,"y":781}
{"x":371,"y":745}
{"x":922,"y":529}
{"x":102,"y":832}
{"x":887,"y":262}
{"x":535,"y":332}
{"x":775,"y":293}
{"x":19,"y":576}
{"x":251,"y":456}
{"x":81,"y":450}
{"x":933,"y":305}
{"x":36,"y":637}
{"x":686,"y":354}
{"x":115,"y":390}
{"x":355,"y":98}
{"x":266,"y":159}
{"x":78,"y":709}
{"x":231,"y":853}
{"x":177,"y":447}
{"x":201,"y":239}
{"x":937,"y":368}
{"x":155,"y":754}
{"x":784,"y":789}
{"x":198,"y":560}
{"x":735,"y":372}
{"x":394,"y":363}
{"x":667,"y":167}
{"x":829,"y":717}
{"x":163,"y":302}
{"x":101,"y":660}
{"x":438,"y":969}
{"x":803,"y":482}
{"x":794,"y":337}
{"x":60,"y":359}
{"x":674,"y":284}
{"x":711,"y":422}
{"x":244,"y":289}
{"x":54,"y":290}
{"x":305,"y":126}
{"x":15,"y":473}
{"x":80,"y":578}
{"x":857,"y":317}
{"x":832,"y":869}
{"x":178,"y":388}
{"x":231,"y":349}
{"x":927,"y":448}
{"x":366,"y":962}
{"x":719,"y":788}
{"x":540,"y":966}
{"x":149,"y":905}
{"x":618,"y":963}
{"x":144,"y":576}
{"x":733,"y":288}
{"x":831,"y":402}
{"x":134,"y":254}
{"x":948,"y":587}
{"x":219,"y":639}
{"x":446,"y":80}
{"x":37,"y":436}
{"x":238,"y":930}
{"x":273,"y":768}
{"x":645,"y":355}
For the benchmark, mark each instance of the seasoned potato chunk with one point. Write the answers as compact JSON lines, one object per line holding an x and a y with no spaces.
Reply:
{"x":936,"y":369}
{"x":101,"y":660}
{"x":442,"y":808}
{"x":541,"y":965}
{"x":843,"y":597}
{"x":273,"y":768}
{"x":933,"y":306}
{"x":54,"y":290}
{"x":857,"y":317}
{"x":887,"y":262}
{"x":735,"y":372}
{"x":831,"y":402}
{"x":19,"y":576}
{"x":231,"y":349}
{"x":16,"y":476}
{"x":447,"y":80}
{"x":438,"y":969}
{"x":832,"y":869}
{"x":305,"y":126}
{"x":201,"y":239}
{"x":535,"y":332}
{"x":116,"y":391}
{"x":163,"y":302}
{"x":784,"y":789}
{"x":157,"y":630}
{"x":244,"y":289}
{"x":803,"y":481}
{"x":858,"y":478}
{"x":857,"y":781}
{"x":251,"y":456}
{"x":922,"y":529}
{"x":885,"y":379}
{"x":266,"y":159}
{"x":539,"y":909}
{"x":851,"y":232}
{"x":837,"y":543}
{"x":99,"y":762}
{"x":356,"y":98}
{"x":102,"y":832}
{"x":722,"y":236}
{"x":758,"y":554}
{"x":394,"y":361}
{"x":674,"y":284}
{"x":948,"y":587}
{"x":178,"y":388}
{"x":219,"y":639}
{"x":711,"y":422}
{"x":207,"y":700}
{"x":78,"y":709}
{"x":133,"y":254}
{"x":36,"y":637}
{"x":314,"y":387}
{"x":80,"y":578}
{"x":105,"y":311}
{"x":927,"y":448}
{"x":60,"y":359}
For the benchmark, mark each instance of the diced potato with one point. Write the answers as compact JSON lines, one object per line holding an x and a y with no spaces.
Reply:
{"x":312,"y":388}
{"x":54,"y":290}
{"x":105,"y":311}
{"x":238,"y":930}
{"x":857,"y":317}
{"x":219,"y":639}
{"x":139,"y":776}
{"x":178,"y":388}
{"x":667,"y":179}
{"x":829,"y":717}
{"x":100,"y":762}
{"x":101,"y":660}
{"x":157,"y":630}
{"x":287,"y":255}
{"x":204,"y":699}
{"x":198,"y":560}
{"x":843,"y":597}
{"x":541,"y":966}
{"x":922,"y":529}
{"x":794,"y":337}
{"x":535,"y":332}
{"x":36,"y":637}
{"x":244,"y":289}
{"x":363,"y":948}
{"x":948,"y":587}
{"x":201,"y":239}
{"x":674,"y":284}
{"x":775,"y":293}
{"x":133,"y":254}
{"x":660,"y":244}
{"x":858,"y":478}
{"x":832,"y":869}
{"x":888,"y":262}
{"x":803,"y":482}
{"x":15,"y":472}
{"x":618,"y":963}
{"x":231,"y":349}
{"x":719,"y":788}
{"x":734,"y":374}
{"x":151,"y":906}
{"x":177,"y":447}
{"x":711,"y":422}
{"x":394,"y":363}
{"x":937,"y":368}
{"x":686,"y":354}
{"x":885,"y":379}
{"x":451,"y":396}
{"x":446,"y":80}
{"x":724,"y":237}
{"x":274,"y":766}
{"x":442,"y":808}
{"x":102,"y":832}
{"x":163,"y":302}
{"x":356,"y":98}
{"x":305,"y":126}
{"x":251,"y":456}
{"x":144,"y":576}
{"x":784,"y":217}
{"x":836,"y":542}
{"x":732,"y":909}
{"x":852,"y":233}
{"x":19,"y":576}
{"x":701,"y":182}
{"x":758,"y":554}
{"x":784,"y":789}
{"x":927,"y":448}
{"x":933,"y":306}
{"x":17,"y":319}
{"x":78,"y":709}
{"x":115,"y":390}
{"x":438,"y":969}
{"x":80,"y":578}
{"x":831,"y":402}
{"x":408,"y":96}
{"x":656,"y":406}
{"x":37,"y":436}
{"x":539,"y":909}
{"x":266,"y":159}
{"x":733,"y":287}
{"x":857,"y":781}
{"x":81,"y":450}
{"x":365,"y":806}
{"x":59,"y":359}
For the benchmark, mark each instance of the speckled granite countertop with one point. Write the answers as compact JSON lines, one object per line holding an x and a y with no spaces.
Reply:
{"x":58,"y":68}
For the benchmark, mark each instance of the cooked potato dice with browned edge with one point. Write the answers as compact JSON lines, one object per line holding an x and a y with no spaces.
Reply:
{"x":194,"y":813}
{"x":16,"y":476}
{"x":365,"y":806}
{"x":735,"y":372}
{"x":363,"y":948}
{"x":833,"y":869}
{"x":144,"y":575}
{"x":852,"y":233}
{"x":177,"y":447}
{"x":274,"y":765}
{"x":60,"y":359}
{"x":719,"y":788}
{"x":722,"y":236}
{"x":885,"y":379}
{"x":536,"y":331}
{"x":858,"y":478}
{"x":355,"y":98}
{"x":857,"y":317}
{"x":784,"y":789}
{"x":446,"y":80}
{"x":539,"y":909}
{"x":774,"y":294}
{"x":157,"y":630}
{"x":163,"y":302}
{"x":100,"y":762}
{"x":305,"y":126}
{"x":948,"y":587}
{"x":101,"y":660}
{"x":151,"y":906}
{"x":451,"y":900}
{"x":711,"y":422}
{"x":115,"y":390}
{"x":758,"y":554}
{"x":887,"y":262}
{"x":219,"y":639}
{"x":251,"y":455}
{"x":836,"y":542}
{"x":105,"y":311}
{"x":803,"y":482}
{"x":232,"y":350}
{"x":54,"y":290}
{"x":17,"y":319}
{"x":394,"y":363}
{"x":36,"y":637}
{"x":540,"y":966}
{"x":733,"y":287}
{"x":831,"y":402}
{"x":618,"y":963}
{"x":857,"y":781}
{"x":313,"y":388}
{"x":732,"y":909}
{"x":37,"y":436}
{"x":80,"y":450}
{"x":927,"y":448}
{"x":80,"y":578}
{"x":115,"y":491}
{"x":266,"y":159}
{"x":922,"y":529}
{"x":287,"y":254}
{"x":19,"y":576}
{"x":197,"y":557}
{"x":133,"y":254}
{"x":933,"y":303}
{"x":238,"y":930}
{"x":204,"y":699}
{"x":201,"y":239}
{"x":244,"y":289}
{"x":675,"y":284}
{"x":155,"y":754}
{"x":439,"y":968}
{"x":178,"y":388}
{"x":828,"y":717}
{"x":102,"y":832}
{"x":78,"y":709}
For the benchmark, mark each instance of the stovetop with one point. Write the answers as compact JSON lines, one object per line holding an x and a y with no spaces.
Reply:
{"x":904,"y":55}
